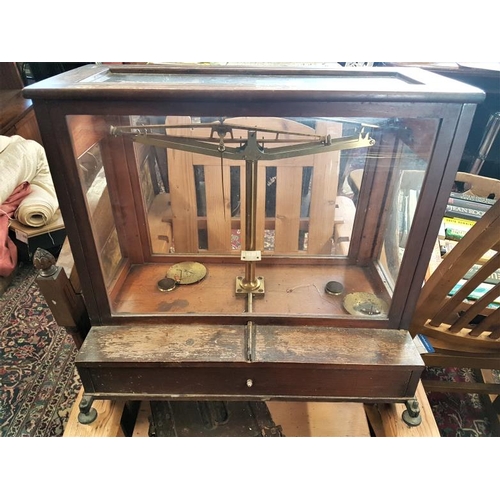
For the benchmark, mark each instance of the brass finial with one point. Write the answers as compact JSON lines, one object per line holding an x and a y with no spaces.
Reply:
{"x":45,"y":262}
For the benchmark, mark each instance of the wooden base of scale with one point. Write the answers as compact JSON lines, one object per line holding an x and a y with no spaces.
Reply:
{"x":227,"y":363}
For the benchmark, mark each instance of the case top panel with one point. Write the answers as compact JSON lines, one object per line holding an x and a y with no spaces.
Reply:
{"x":212,"y":82}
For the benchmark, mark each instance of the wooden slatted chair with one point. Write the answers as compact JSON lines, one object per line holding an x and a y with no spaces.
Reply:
{"x":464,"y":333}
{"x":205,"y":196}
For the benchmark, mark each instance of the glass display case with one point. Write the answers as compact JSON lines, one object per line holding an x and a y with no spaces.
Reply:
{"x":238,"y":231}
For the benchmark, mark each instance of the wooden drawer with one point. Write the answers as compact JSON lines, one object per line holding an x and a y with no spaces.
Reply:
{"x":210,"y":362}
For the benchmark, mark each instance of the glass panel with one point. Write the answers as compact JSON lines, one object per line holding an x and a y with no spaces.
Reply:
{"x":88,"y":148}
{"x":195,"y":198}
{"x":93,"y":178}
{"x":268,"y":207}
{"x":412,"y":142}
{"x":351,"y":81}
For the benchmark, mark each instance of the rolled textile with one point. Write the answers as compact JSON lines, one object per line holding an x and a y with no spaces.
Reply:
{"x":18,"y":164}
{"x":8,"y":249}
{"x":37,"y":209}
{"x":24,"y":160}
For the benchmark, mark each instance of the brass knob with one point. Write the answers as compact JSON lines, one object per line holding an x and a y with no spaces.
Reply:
{"x":45,"y":262}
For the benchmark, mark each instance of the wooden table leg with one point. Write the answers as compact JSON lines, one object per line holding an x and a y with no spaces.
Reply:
{"x":386,"y":420}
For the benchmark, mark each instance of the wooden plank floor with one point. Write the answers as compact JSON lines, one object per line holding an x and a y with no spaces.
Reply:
{"x":386,"y":418}
{"x":299,"y":419}
{"x":107,"y":423}
{"x":296,"y":418}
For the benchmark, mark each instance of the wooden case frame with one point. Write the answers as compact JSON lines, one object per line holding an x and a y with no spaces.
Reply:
{"x":114,"y":357}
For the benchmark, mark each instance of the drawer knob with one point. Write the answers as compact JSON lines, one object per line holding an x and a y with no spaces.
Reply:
{"x":249,"y":382}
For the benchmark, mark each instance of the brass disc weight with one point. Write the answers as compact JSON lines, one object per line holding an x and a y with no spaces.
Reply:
{"x":334,"y":288}
{"x":167,"y":285}
{"x":187,"y":273}
{"x":365,"y":304}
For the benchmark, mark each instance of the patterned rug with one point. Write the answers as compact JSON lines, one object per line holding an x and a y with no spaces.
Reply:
{"x":38,"y":380}
{"x":39,"y":383}
{"x":456,"y":414}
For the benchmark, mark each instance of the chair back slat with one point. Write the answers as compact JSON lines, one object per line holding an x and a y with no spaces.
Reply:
{"x":476,"y":242}
{"x":182,"y":192}
{"x":491,"y":322}
{"x":495,"y":334}
{"x":453,"y":316}
{"x":451,"y":304}
{"x":218,"y":208}
{"x":478,"y":307}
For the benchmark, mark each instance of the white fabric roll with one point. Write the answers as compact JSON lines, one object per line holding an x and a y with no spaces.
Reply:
{"x":37,"y":209}
{"x":23,"y":160}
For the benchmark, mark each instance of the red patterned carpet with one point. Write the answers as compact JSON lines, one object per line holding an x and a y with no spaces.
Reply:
{"x":456,"y":414}
{"x":39,"y":383}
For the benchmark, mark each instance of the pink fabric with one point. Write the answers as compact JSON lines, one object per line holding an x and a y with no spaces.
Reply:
{"x":8,"y":249}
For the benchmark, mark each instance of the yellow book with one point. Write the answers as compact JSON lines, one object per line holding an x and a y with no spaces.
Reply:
{"x":457,"y":222}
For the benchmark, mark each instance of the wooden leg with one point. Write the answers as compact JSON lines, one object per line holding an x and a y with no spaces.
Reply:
{"x":107,"y":423}
{"x":87,"y":414}
{"x":386,"y":419}
{"x":411,"y":416}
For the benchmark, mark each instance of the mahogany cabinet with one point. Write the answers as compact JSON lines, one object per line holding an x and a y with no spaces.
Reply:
{"x":16,"y":112}
{"x":221,"y":250}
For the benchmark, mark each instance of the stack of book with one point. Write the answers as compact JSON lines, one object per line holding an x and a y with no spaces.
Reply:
{"x":467,"y":206}
{"x":462,"y":212}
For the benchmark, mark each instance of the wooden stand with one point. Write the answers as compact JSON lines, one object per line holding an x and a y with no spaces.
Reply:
{"x":296,"y":418}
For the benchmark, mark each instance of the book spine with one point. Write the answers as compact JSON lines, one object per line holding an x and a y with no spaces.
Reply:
{"x":473,"y":205}
{"x":465,"y":213}
{"x":471,"y":197}
{"x":454,"y":234}
{"x":456,"y":228}
{"x":477,"y":293}
{"x":458,"y":222}
{"x":492,"y":279}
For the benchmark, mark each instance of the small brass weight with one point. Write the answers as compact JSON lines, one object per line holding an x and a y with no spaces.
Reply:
{"x":182,"y":273}
{"x":365,"y":304}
